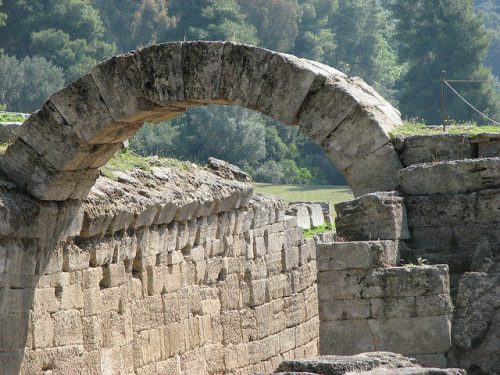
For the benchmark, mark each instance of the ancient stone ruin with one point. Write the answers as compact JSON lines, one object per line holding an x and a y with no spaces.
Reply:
{"x":187,"y":271}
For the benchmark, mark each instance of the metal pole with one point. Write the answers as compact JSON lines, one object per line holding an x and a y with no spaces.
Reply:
{"x":443,"y":103}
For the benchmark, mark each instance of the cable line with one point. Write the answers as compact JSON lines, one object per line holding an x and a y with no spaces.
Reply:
{"x":470,"y":105}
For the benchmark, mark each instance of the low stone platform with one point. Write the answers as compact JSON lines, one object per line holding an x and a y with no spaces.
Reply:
{"x":365,"y":363}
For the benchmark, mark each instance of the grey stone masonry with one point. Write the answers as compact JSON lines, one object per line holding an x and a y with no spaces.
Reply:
{"x":434,"y":148}
{"x":170,"y":271}
{"x":451,"y":177}
{"x":366,"y":303}
{"x":380,"y":363}
{"x":376,"y":216}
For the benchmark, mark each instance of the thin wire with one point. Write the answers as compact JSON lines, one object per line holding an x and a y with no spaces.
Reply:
{"x":470,"y":105}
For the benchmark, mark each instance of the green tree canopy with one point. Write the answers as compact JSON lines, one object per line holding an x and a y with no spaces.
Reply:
{"x":276,"y":21}
{"x":69,"y":33}
{"x":211,"y":20}
{"x":26,"y":84}
{"x":435,"y":36}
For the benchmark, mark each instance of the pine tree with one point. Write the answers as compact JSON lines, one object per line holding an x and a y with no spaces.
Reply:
{"x":69,"y":33}
{"x":436,"y":36}
{"x":211,"y":20}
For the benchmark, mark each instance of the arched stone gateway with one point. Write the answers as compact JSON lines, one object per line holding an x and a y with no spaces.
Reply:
{"x":80,"y":127}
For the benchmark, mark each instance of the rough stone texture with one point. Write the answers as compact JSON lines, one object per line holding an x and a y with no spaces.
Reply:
{"x":193,"y":276}
{"x":476,"y":325}
{"x":489,"y":149}
{"x":8,"y":131}
{"x":357,"y":255}
{"x":375,"y":216}
{"x":365,"y":363}
{"x":365,"y":308}
{"x":461,"y":230}
{"x":80,"y":127}
{"x":226,"y":170}
{"x":440,"y":147}
{"x":451,"y":177}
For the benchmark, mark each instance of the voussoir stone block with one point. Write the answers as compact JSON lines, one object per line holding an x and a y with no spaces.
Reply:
{"x":161,"y":71}
{"x":202,"y":69}
{"x":375,"y":216}
{"x":376,"y":172}
{"x":43,"y":181}
{"x":368,"y":127}
{"x":286,"y":84}
{"x":243,"y":70}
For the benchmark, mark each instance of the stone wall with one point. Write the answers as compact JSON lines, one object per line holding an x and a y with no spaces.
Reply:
{"x":213,"y":280}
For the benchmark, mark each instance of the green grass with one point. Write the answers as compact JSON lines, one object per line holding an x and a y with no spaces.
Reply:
{"x":11,"y":118}
{"x":416,"y":128}
{"x":318,"y":230}
{"x":127,"y":160}
{"x":306,"y":193}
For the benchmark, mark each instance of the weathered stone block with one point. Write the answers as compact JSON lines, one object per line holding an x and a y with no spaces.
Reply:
{"x":352,"y":309}
{"x":412,"y":335}
{"x":161,"y":68}
{"x":366,"y":255}
{"x":202,"y":66}
{"x":451,"y":177}
{"x":376,"y":172}
{"x":440,"y":147}
{"x":489,"y":149}
{"x":405,"y":282}
{"x":345,"y":337}
{"x":376,"y":216}
{"x":398,"y":307}
{"x":333,"y":285}
{"x":369,"y":126}
{"x":287,"y":82}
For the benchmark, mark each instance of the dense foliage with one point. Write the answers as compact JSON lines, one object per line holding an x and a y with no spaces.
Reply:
{"x":398,"y":46}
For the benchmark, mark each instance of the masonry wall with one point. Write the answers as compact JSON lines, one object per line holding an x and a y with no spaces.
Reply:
{"x":232,"y":291}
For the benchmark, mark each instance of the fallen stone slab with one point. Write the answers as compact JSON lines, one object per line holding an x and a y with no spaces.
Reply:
{"x":450,"y":177}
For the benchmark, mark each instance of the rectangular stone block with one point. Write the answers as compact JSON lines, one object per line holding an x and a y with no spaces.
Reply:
{"x":357,"y":255}
{"x":401,"y":307}
{"x":353,"y":309}
{"x":335,"y":285}
{"x":346,"y":337}
{"x":376,"y":216}
{"x":412,"y":335}
{"x":406,"y":282}
{"x":67,"y":328}
{"x":439,"y":147}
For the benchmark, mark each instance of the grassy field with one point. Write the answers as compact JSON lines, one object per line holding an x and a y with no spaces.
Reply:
{"x":307,"y":193}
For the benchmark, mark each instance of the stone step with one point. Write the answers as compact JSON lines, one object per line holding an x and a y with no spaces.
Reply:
{"x":446,"y":147}
{"x":450,"y":177}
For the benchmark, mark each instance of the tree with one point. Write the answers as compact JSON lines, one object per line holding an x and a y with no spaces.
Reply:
{"x":490,"y":11}
{"x":211,"y":20}
{"x":26,"y":84}
{"x":435,"y":36}
{"x":316,"y":40}
{"x":276,"y":21}
{"x":69,"y":33}
{"x":363,"y":34}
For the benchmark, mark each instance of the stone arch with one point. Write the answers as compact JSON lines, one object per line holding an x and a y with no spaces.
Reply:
{"x":80,"y":127}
